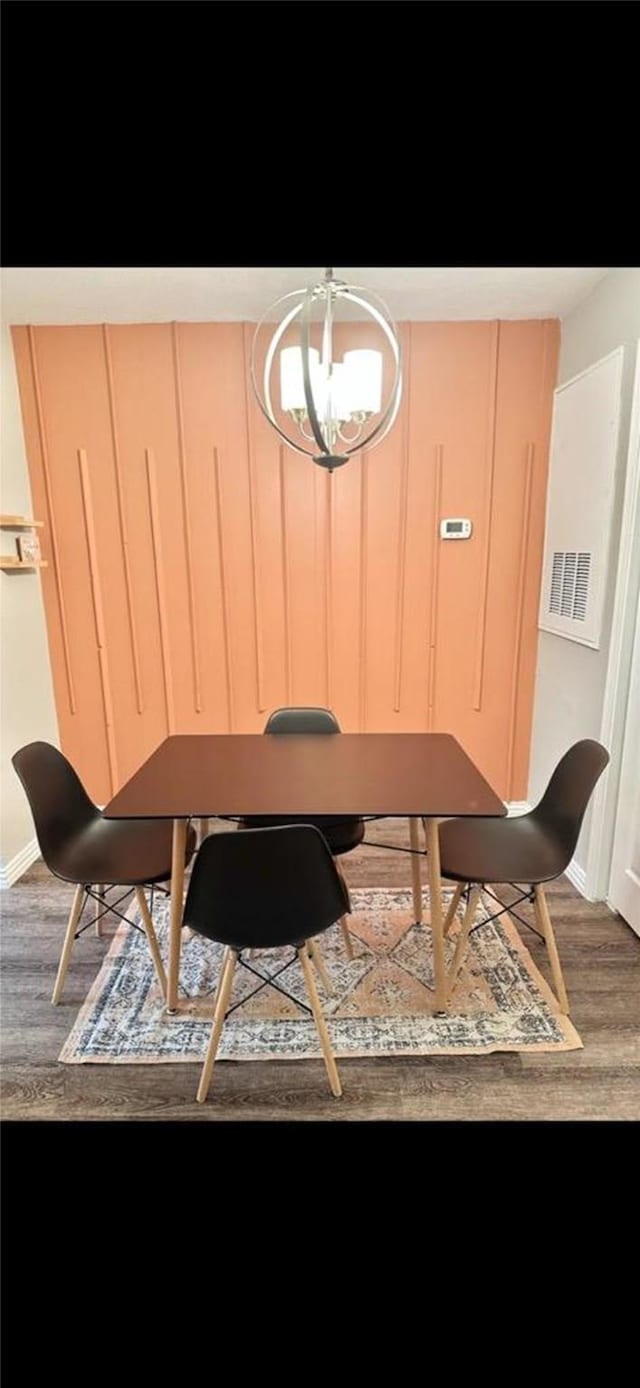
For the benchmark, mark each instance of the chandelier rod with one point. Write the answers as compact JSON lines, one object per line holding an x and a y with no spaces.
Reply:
{"x":323,"y":444}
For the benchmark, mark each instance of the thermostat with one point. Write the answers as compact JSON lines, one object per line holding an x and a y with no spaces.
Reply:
{"x":455,"y":529}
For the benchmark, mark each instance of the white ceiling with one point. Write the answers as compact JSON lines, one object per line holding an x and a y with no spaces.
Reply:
{"x":161,"y":295}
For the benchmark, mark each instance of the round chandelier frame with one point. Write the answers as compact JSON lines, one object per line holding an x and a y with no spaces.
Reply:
{"x":326,"y":434}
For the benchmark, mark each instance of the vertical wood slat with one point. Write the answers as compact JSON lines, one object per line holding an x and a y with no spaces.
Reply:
{"x":98,"y":616}
{"x":481,"y":628}
{"x":517,"y":645}
{"x":156,"y":538}
{"x":186,"y":522}
{"x":55,"y":552}
{"x":223,"y":588}
{"x":402,"y":531}
{"x":286,"y":597}
{"x":435,"y":581}
{"x":253,"y":528}
{"x":122,"y":519}
{"x":364,"y":521}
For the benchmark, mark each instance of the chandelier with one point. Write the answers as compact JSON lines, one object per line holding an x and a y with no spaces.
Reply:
{"x":329,"y":407}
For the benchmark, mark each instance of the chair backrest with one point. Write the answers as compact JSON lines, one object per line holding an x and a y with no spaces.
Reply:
{"x":562,"y":807}
{"x":302,"y":720}
{"x":264,"y":887}
{"x":59,"y":802}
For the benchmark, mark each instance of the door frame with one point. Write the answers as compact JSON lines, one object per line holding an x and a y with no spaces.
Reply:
{"x":622,"y":858}
{"x":614,"y":707}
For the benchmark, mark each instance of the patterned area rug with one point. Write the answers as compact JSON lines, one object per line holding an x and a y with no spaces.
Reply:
{"x":383,"y":1003}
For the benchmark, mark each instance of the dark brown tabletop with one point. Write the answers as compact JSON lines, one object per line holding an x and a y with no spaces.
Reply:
{"x":278,"y":774}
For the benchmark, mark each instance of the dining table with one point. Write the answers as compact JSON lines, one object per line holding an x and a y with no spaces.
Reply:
{"x":424,"y":777}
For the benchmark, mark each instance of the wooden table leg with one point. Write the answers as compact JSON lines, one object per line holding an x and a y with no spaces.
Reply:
{"x":415,"y":872}
{"x":177,"y":891}
{"x":435,"y":912}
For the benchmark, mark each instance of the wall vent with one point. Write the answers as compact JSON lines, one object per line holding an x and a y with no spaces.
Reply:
{"x":569,"y":592}
{"x":582,"y":469}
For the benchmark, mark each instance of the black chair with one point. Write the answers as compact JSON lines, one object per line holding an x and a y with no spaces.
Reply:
{"x":79,"y":845}
{"x":532,"y":848}
{"x":342,"y":834}
{"x":262,"y":889}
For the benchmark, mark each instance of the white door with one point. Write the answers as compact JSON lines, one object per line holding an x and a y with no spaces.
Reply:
{"x":624,"y":889}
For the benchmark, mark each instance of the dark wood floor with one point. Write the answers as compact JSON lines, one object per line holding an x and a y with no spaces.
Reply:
{"x":601,"y":959}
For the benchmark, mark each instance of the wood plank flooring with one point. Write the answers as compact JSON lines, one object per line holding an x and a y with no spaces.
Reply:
{"x":601,"y":961}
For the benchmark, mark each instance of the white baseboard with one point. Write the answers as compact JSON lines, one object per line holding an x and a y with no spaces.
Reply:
{"x":19,"y":864}
{"x":578,"y":877}
{"x":517,"y":806}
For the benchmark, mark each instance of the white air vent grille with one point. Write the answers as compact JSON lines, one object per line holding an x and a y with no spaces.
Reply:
{"x":570,"y":584}
{"x":581,"y":594}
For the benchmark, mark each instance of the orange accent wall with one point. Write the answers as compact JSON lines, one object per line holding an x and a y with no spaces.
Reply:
{"x":201,"y":573}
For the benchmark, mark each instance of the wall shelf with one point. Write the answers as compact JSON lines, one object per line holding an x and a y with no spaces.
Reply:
{"x":8,"y":563}
{"x":19,"y":523}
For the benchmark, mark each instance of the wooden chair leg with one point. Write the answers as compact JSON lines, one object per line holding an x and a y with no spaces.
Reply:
{"x":544,"y":921}
{"x":101,"y":890}
{"x":463,"y":937}
{"x":152,"y":939}
{"x":315,"y":954}
{"x":74,"y":917}
{"x":343,"y":922}
{"x":453,"y":906}
{"x":204,"y":829}
{"x":321,"y":1026}
{"x":346,"y":937}
{"x":222,"y":997}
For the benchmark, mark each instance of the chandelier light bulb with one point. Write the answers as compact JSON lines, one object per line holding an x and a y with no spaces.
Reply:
{"x":291,"y":380}
{"x":364,"y":368}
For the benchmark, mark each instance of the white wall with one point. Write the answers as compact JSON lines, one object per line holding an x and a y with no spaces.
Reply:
{"x":26,"y":695}
{"x":571,"y":678}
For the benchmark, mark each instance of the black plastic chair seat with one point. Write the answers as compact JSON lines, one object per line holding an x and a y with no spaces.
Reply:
{"x":265,"y":888}
{"x":76,"y":842}
{"x":341,"y":834}
{"x":122,"y":852}
{"x":500,"y":850}
{"x":534,"y":847}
